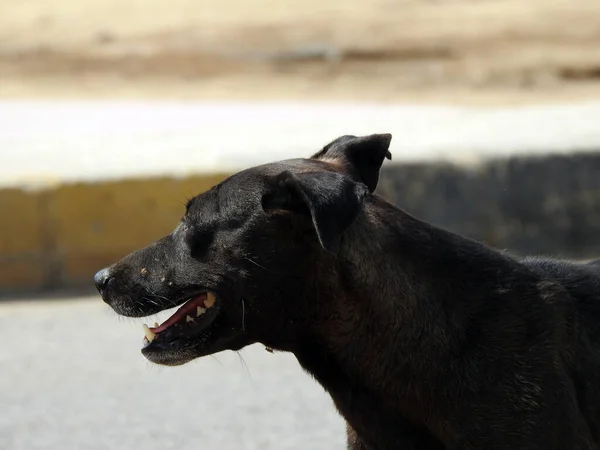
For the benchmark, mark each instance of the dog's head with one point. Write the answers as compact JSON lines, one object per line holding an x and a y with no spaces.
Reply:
{"x":250,"y":256}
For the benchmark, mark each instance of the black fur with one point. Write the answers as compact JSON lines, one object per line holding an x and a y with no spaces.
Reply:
{"x":423,"y":338}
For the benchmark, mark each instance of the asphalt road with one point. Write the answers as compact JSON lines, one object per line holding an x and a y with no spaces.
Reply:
{"x":72,"y":377}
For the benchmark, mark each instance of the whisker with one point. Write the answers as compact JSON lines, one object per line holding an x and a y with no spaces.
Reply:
{"x":243,"y":362}
{"x":256,"y":264}
{"x":162,"y":297}
{"x":243,"y":315}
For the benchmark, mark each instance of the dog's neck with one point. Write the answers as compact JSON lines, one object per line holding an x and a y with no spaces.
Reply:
{"x":399,"y":315}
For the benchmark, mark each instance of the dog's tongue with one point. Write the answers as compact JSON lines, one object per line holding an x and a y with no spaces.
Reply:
{"x":188,"y":308}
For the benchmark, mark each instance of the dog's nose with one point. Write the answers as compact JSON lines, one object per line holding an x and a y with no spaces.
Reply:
{"x":101,"y":279}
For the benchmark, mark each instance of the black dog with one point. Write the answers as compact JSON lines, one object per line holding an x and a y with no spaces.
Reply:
{"x":423,"y":338}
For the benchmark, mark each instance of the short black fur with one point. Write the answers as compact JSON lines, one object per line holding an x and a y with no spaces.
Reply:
{"x":424,"y":339}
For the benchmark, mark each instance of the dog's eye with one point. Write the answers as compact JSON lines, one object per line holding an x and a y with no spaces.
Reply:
{"x":199,"y":241}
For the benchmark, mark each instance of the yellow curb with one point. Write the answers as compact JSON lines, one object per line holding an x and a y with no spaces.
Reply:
{"x":60,"y":237}
{"x":22,"y":245}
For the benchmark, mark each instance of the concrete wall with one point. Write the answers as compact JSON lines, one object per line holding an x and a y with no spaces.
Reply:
{"x":527,"y":204}
{"x":121,"y":172}
{"x":59,"y":237}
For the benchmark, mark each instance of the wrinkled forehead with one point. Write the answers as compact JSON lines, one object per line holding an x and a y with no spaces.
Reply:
{"x":249,"y":185}
{"x":255,"y":178}
{"x":298,"y":165}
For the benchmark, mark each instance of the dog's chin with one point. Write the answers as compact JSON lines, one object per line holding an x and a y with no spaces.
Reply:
{"x":176,"y":356}
{"x":176,"y":350}
{"x":213,"y":340}
{"x":179,"y":355}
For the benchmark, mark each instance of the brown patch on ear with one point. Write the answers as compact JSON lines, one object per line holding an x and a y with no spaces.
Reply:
{"x":333,"y":161}
{"x":361,"y":156}
{"x":332,"y":145}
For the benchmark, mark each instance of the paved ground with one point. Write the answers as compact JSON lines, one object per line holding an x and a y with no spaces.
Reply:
{"x":68,"y":141}
{"x":73,"y":379}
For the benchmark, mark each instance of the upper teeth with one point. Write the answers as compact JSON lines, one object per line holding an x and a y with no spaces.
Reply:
{"x":148,"y":333}
{"x":208,"y":303}
{"x":210,"y":299}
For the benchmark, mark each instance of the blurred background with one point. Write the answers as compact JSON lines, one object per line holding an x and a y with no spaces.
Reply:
{"x":112,"y":113}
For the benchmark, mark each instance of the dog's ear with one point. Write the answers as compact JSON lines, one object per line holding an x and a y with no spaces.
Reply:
{"x":332,"y":200}
{"x":362,"y":155}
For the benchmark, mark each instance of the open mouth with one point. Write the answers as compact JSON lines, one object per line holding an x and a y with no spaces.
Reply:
{"x":185,"y":326}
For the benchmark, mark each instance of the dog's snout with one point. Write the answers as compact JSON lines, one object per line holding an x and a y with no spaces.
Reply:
{"x":101,"y":279}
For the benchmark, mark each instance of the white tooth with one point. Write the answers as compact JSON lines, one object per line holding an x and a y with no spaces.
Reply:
{"x":149,"y":334}
{"x":199,"y":311}
{"x":188,"y":318}
{"x":155,"y":324}
{"x":210,"y":300}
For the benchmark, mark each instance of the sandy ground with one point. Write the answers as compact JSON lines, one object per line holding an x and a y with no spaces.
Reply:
{"x":73,"y":379}
{"x":455,"y":51}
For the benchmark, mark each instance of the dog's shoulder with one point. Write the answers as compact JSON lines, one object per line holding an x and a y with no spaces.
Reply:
{"x":579,"y":278}
{"x":558,"y":268}
{"x":562,"y":268}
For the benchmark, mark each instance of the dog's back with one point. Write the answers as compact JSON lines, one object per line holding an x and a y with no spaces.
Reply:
{"x":582,"y":281}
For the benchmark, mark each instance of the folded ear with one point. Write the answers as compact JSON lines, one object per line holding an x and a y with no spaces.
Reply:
{"x":332,"y":200}
{"x":363,"y":155}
